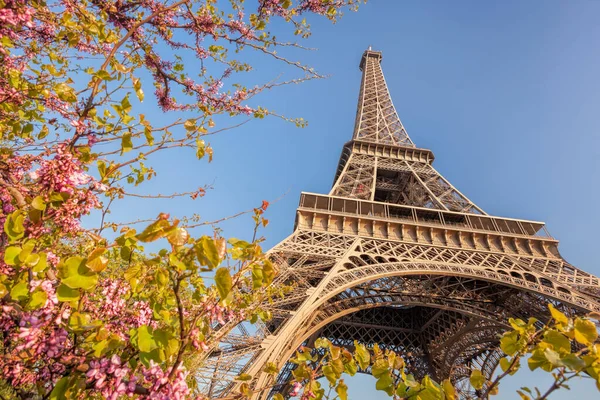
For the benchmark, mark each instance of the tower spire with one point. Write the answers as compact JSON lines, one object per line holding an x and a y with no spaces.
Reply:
{"x":376,"y":118}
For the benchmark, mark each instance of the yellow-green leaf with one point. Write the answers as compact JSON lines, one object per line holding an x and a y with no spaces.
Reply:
{"x":178,"y":237}
{"x":66,"y":294}
{"x":449,"y":390}
{"x":509,"y":343}
{"x":558,"y":316}
{"x":96,"y":261}
{"x":243,"y":377}
{"x":585,"y":331}
{"x":223,"y":282}
{"x":76,"y":275}
{"x":126,"y":143}
{"x":37,"y":300}
{"x":342,"y":390}
{"x":207,"y":252}
{"x":145,"y":339}
{"x":11,"y":255}
{"x":38,"y":203}
{"x":362,"y":355}
{"x":154,"y":231}
{"x":477,"y":379}
{"x":20,"y":291}
{"x":60,"y":389}
{"x":559,"y":342}
{"x":137,"y":86}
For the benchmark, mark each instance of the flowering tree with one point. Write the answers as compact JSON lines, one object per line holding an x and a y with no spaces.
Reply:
{"x":84,"y":315}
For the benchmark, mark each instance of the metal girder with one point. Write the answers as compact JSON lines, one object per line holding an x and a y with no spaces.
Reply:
{"x":396,"y":255}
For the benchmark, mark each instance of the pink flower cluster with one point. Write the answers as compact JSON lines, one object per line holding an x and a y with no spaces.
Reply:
{"x":107,"y":377}
{"x":196,"y":342}
{"x":163,"y":387}
{"x":15,"y":14}
{"x":119,"y":314}
{"x":296,"y":389}
{"x":64,"y":174}
{"x":219,"y":314}
{"x":38,"y":351}
{"x":113,"y":378}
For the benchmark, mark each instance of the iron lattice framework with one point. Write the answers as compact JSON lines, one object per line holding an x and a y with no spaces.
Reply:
{"x":396,"y":255}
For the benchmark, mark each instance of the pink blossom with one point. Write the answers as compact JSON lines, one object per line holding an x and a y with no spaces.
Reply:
{"x":296,"y":389}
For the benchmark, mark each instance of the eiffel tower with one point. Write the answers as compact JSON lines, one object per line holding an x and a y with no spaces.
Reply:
{"x":396,"y":255}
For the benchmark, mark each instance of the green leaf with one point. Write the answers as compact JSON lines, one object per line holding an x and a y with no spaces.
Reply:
{"x":190,"y":125}
{"x":43,"y":132}
{"x":402,"y":390}
{"x":38,"y":203}
{"x":384,"y":383}
{"x":257,"y":277}
{"x":207,"y":252}
{"x":38,"y":299}
{"x":104,"y":75}
{"x":342,"y":390}
{"x":505,"y":364}
{"x":126,"y":143}
{"x":362,"y":355}
{"x":96,"y":261}
{"x":380,"y":367}
{"x":175,"y":262}
{"x":155,"y":231}
{"x":11,"y":255}
{"x":200,"y":148}
{"x":13,"y":226}
{"x":477,"y":379}
{"x":329,"y":374}
{"x":60,"y":389}
{"x":509,"y":343}
{"x":76,"y":275}
{"x":145,"y":339}
{"x":411,"y":382}
{"x":553,"y":357}
{"x":137,"y":86}
{"x":350,"y":368}
{"x":449,"y":391}
{"x":558,"y":316}
{"x":538,"y":360}
{"x":65,"y":93}
{"x":573,"y":362}
{"x":41,"y":264}
{"x":66,"y":294}
{"x":224,"y":282}
{"x":178,"y":237}
{"x":26,"y":250}
{"x":585,"y":331}
{"x":271,"y":368}
{"x":81,"y":322}
{"x":243,"y":377}
{"x":148,"y":135}
{"x":154,"y":355}
{"x":322,"y":343}
{"x":20,"y":291}
{"x":430,"y":390}
{"x":102,"y":169}
{"x":559,"y":342}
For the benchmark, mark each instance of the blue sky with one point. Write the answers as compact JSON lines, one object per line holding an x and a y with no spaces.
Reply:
{"x":506,"y":94}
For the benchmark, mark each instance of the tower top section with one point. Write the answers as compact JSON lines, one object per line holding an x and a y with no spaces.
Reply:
{"x":369,"y":53}
{"x":376,"y":118}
